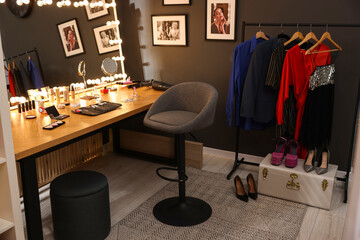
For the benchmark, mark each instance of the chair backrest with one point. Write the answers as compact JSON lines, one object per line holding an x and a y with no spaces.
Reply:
{"x":191,"y":96}
{"x":196,"y":97}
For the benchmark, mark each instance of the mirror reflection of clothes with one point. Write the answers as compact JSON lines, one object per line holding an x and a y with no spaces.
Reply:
{"x":35,"y":75}
{"x":20,"y":89}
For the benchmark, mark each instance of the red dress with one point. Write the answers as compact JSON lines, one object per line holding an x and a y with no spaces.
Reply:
{"x":296,"y":72}
{"x":11,"y":83}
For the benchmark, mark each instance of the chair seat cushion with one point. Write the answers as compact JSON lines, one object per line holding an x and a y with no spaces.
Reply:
{"x":173,"y":118}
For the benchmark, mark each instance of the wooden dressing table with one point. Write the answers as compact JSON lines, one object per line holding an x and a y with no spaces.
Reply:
{"x":31,"y":141}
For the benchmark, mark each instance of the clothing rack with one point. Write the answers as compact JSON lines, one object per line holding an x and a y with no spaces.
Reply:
{"x":237,"y":162}
{"x":26,"y":53}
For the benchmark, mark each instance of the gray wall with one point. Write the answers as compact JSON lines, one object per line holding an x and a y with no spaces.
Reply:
{"x":202,"y":60}
{"x":210,"y":61}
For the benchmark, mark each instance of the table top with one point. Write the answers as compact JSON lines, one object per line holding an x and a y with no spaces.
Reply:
{"x":29,"y":137}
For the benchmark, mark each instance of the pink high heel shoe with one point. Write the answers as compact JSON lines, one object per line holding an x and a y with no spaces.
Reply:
{"x":291,"y":158}
{"x":278,"y":155}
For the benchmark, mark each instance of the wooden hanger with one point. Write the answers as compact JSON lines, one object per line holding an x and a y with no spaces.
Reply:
{"x":296,"y":35}
{"x":309,"y":36}
{"x":261,"y":34}
{"x":325,"y":36}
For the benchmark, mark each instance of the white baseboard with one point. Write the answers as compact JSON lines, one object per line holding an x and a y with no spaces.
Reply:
{"x":248,"y":158}
{"x":231,"y":155}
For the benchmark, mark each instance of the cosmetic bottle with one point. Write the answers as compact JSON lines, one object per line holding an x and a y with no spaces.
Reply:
{"x":72,"y":91}
{"x":57,"y":94}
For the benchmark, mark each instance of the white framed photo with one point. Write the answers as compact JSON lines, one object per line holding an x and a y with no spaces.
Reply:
{"x":176,"y":2}
{"x":70,"y":38}
{"x":169,"y":30}
{"x":95,"y":11}
{"x":106,"y":39}
{"x":220,"y":20}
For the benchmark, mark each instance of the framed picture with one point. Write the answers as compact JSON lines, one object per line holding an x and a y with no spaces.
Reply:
{"x":96,"y":11}
{"x":220,"y":19}
{"x":70,"y":38}
{"x":176,"y":2}
{"x":169,"y":30}
{"x":104,"y":36}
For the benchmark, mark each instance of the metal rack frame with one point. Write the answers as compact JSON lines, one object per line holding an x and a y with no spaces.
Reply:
{"x":238,"y":162}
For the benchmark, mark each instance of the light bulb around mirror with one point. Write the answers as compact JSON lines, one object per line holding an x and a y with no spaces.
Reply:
{"x":2,"y":1}
{"x":22,"y":99}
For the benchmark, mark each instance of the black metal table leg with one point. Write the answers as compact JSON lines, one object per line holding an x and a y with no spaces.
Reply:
{"x":31,"y":199}
{"x":116,"y":138}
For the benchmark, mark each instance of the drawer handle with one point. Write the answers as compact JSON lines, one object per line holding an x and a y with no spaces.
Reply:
{"x":324,"y":184}
{"x":291,"y":184}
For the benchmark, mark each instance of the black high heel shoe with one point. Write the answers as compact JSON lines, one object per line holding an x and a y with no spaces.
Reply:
{"x":240,"y":190}
{"x":252,"y":191}
{"x":309,"y":168}
{"x":325,"y":156}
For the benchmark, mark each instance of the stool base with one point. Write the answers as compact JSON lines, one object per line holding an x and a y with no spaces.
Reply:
{"x":175,"y":213}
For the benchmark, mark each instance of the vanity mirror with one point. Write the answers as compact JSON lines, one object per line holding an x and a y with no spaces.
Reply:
{"x":110,"y":67}
{"x":82,"y":71}
{"x":56,"y":69}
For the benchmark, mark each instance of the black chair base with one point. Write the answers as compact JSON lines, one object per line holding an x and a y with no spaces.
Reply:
{"x":182,"y":214}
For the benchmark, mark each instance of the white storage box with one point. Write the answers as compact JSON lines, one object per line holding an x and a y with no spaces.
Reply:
{"x":295,"y":184}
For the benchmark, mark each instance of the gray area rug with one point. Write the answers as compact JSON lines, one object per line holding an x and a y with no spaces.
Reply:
{"x":266,"y":218}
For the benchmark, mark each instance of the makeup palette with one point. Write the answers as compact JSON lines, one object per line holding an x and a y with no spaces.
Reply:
{"x":53,"y":125}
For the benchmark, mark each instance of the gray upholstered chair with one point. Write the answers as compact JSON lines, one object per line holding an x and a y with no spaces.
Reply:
{"x":183,"y":108}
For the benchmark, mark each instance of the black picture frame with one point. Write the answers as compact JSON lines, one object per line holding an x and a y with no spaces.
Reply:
{"x":176,"y":2}
{"x":222,"y":32}
{"x":169,"y":30}
{"x":64,"y":31}
{"x":96,"y":12}
{"x":103,"y":42}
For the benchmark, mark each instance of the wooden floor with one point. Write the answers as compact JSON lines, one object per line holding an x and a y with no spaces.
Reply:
{"x":133,"y":180}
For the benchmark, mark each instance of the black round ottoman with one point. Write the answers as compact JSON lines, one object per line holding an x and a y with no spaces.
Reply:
{"x":80,"y":206}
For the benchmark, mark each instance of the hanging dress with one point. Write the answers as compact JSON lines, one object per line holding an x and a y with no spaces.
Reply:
{"x":317,"y":119}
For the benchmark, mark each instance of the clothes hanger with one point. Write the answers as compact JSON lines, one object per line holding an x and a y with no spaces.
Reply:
{"x":296,"y":35}
{"x":282,"y":34}
{"x":325,"y":36}
{"x":309,"y":36}
{"x":261,"y":34}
